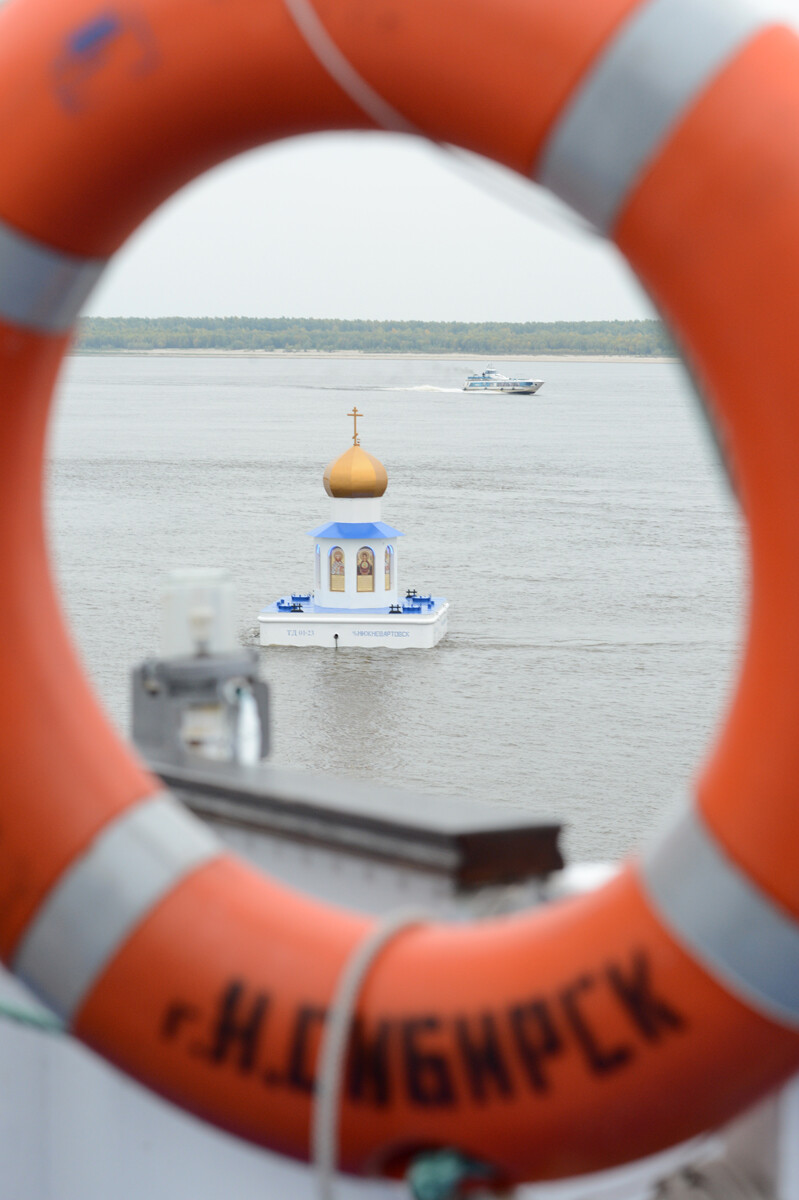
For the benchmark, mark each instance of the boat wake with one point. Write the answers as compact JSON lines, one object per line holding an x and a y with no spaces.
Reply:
{"x":365,"y":387}
{"x":420,"y":387}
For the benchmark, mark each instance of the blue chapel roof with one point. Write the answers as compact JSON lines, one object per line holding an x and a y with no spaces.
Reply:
{"x":362,"y":530}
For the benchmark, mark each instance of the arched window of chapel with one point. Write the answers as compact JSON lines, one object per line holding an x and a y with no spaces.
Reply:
{"x":365,"y":569}
{"x":337,"y":570}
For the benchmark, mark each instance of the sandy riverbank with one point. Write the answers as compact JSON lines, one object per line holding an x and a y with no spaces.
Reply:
{"x":358,"y":354}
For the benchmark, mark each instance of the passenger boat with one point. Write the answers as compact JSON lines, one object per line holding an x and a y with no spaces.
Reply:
{"x":492,"y":380}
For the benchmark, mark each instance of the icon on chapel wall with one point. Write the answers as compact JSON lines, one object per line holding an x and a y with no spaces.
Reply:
{"x":337,"y":569}
{"x":388,"y":569}
{"x":366,"y":570}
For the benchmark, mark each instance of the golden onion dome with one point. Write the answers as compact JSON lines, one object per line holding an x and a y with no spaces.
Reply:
{"x":355,"y":474}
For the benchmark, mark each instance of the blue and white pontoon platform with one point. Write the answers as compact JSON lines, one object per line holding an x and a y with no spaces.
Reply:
{"x":297,"y":620}
{"x":356,"y":599}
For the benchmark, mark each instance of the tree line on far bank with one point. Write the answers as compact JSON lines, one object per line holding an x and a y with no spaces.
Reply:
{"x":490,"y":338}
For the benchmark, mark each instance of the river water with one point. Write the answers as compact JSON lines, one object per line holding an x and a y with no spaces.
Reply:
{"x":585,"y":537}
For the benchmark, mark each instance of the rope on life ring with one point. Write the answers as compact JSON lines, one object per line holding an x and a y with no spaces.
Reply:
{"x":597,"y":1030}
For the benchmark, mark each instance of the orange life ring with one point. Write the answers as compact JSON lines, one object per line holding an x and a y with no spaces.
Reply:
{"x":599,"y":1029}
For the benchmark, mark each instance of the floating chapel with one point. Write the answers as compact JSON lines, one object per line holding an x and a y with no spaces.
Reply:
{"x":356,"y":599}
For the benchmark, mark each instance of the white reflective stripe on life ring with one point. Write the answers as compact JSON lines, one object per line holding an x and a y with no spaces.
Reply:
{"x":664,"y":55}
{"x":42,"y":289}
{"x":341,"y":71}
{"x":104,"y":895}
{"x":740,"y":935}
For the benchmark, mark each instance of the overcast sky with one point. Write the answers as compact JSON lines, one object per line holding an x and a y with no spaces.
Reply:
{"x":371,"y":226}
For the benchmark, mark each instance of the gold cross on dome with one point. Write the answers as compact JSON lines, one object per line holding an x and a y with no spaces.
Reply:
{"x":356,"y":441}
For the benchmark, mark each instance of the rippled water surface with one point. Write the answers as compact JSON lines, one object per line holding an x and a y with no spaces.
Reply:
{"x":585,"y":538}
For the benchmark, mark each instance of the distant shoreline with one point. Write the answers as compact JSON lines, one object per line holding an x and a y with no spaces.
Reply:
{"x":363,"y":354}
{"x":333,"y":337}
